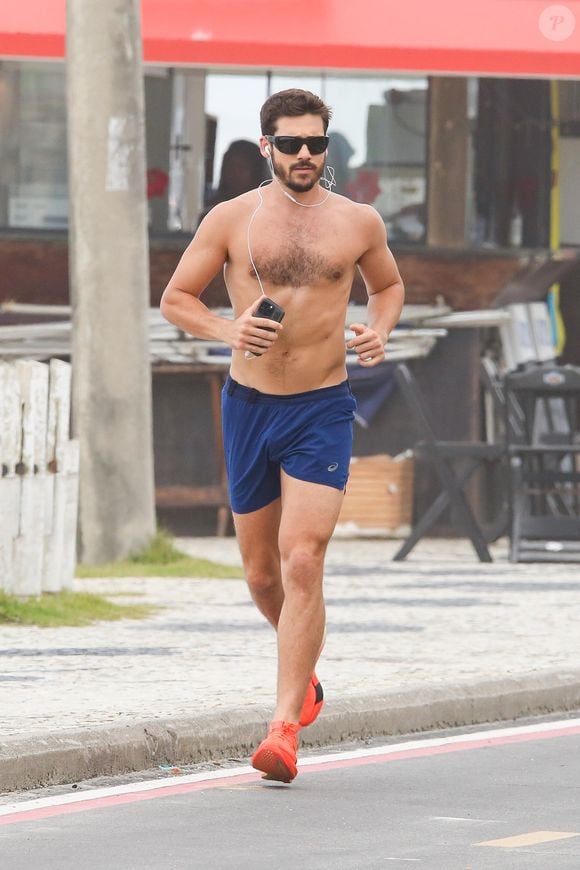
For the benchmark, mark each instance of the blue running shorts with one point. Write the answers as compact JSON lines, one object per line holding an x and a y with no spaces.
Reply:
{"x":309,"y":435}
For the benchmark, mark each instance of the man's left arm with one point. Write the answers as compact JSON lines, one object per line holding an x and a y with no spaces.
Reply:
{"x":386,"y":295}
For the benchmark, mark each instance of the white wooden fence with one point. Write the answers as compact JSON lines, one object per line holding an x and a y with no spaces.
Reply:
{"x":39,"y":478}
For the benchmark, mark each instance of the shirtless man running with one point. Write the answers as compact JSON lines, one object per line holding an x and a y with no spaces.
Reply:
{"x":287,"y":406}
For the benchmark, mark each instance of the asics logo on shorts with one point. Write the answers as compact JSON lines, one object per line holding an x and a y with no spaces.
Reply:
{"x":333,"y":466}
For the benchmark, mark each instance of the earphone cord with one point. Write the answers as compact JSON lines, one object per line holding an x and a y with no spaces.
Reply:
{"x":330,"y":182}
{"x":254,"y":213}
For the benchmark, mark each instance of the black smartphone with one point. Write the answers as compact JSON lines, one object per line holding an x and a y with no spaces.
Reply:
{"x":272,"y":311}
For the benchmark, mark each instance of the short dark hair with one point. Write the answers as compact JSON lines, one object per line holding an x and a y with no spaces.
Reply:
{"x":292,"y":103}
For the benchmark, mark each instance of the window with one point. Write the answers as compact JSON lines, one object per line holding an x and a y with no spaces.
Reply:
{"x":569,"y":160}
{"x":377,"y":137}
{"x":33,"y":176}
{"x":511,"y":153}
{"x":377,"y":143}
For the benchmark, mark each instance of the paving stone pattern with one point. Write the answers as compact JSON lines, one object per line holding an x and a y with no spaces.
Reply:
{"x":439,"y":617}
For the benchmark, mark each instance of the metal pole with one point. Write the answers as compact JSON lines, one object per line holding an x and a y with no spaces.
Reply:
{"x":109,"y":277}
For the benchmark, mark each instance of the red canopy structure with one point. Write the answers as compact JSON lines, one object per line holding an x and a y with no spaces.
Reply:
{"x":477,"y":37}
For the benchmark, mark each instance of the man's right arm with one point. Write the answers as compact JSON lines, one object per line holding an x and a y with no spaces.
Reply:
{"x":202,"y":260}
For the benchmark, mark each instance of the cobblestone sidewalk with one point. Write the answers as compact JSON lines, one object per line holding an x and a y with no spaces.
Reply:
{"x":441,"y":617}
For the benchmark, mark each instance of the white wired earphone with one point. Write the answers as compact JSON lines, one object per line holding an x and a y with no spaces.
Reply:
{"x":330,"y":182}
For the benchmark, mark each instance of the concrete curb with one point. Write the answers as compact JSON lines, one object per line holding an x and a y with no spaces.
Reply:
{"x":72,"y":756}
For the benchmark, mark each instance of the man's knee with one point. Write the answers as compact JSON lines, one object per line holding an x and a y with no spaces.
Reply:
{"x":302,"y":561}
{"x":263,"y":578}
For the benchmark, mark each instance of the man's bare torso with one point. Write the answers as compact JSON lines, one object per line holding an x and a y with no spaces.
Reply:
{"x":306,"y":260}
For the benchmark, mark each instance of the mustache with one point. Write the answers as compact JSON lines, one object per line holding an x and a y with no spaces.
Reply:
{"x":304,"y":164}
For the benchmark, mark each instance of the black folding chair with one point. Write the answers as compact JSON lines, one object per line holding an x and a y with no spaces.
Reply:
{"x":445,"y":457}
{"x":544,"y":457}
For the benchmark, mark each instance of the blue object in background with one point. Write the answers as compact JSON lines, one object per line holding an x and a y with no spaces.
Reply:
{"x":371,"y":387}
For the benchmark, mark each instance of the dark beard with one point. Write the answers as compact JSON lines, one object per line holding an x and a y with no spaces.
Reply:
{"x":297,"y":186}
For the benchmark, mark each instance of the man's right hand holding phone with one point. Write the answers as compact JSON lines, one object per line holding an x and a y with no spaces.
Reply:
{"x":254,"y":335}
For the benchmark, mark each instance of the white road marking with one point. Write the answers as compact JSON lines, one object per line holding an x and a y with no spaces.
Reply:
{"x":488,"y":736}
{"x":461,"y":819}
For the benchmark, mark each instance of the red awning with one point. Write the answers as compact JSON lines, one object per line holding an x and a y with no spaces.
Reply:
{"x":480,"y":37}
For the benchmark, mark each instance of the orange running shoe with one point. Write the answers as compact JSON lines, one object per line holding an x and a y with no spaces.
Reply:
{"x":312,"y":702}
{"x":276,"y":754}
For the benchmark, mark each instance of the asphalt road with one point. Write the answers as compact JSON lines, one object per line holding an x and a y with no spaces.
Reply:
{"x":484,"y":800}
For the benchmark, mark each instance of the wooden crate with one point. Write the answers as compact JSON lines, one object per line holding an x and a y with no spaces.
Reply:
{"x":379,"y":495}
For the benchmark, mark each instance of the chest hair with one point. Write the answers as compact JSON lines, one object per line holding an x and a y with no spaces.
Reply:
{"x":292,"y":257}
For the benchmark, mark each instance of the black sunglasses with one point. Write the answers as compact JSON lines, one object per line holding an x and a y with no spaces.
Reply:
{"x":293,"y":144}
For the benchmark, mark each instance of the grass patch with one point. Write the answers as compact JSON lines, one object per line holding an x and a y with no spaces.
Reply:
{"x":161,"y":559}
{"x":66,"y":608}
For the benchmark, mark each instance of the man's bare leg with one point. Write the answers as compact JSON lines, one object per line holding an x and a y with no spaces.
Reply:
{"x":257,"y":535}
{"x":309,"y":514}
